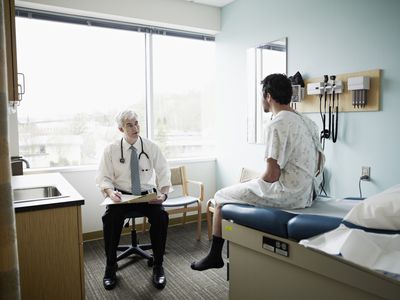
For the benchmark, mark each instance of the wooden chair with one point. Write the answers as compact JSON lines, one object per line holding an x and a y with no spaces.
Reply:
{"x":180,"y":201}
{"x":245,"y":175}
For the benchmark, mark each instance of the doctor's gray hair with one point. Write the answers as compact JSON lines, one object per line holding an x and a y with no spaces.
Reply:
{"x":124,"y":116}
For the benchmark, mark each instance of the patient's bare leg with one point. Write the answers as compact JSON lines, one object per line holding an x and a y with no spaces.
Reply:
{"x":217,"y":221}
{"x":214,"y":257}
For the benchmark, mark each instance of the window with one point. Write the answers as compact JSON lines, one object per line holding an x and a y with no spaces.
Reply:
{"x":78,"y":77}
{"x":183,"y":96}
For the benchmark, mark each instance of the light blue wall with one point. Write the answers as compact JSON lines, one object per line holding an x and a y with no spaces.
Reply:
{"x":324,"y":37}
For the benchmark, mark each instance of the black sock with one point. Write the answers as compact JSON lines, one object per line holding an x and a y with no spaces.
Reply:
{"x":213,"y":258}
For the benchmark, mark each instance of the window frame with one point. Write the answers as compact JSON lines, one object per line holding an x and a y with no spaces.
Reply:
{"x":149,"y":31}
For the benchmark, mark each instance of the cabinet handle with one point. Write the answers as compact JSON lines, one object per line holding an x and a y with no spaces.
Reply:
{"x":21,"y":87}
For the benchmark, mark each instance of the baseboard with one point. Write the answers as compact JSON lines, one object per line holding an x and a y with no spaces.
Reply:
{"x":97,"y":235}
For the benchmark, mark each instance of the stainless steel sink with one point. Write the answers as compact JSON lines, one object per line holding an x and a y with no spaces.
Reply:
{"x":36,"y":193}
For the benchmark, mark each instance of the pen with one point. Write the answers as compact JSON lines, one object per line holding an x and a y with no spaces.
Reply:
{"x":118,"y":195}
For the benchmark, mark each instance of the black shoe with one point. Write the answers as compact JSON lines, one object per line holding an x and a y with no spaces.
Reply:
{"x":159,"y":279}
{"x":110,"y":278}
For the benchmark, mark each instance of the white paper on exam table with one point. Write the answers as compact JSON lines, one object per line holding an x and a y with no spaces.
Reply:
{"x":325,"y":206}
{"x":372,"y":250}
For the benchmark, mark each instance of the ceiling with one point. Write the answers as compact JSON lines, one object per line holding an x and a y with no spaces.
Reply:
{"x":217,"y":3}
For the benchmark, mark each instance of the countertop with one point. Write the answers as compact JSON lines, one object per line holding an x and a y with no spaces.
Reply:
{"x":69,"y":197}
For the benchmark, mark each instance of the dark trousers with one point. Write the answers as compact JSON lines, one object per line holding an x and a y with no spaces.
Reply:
{"x":113,"y":221}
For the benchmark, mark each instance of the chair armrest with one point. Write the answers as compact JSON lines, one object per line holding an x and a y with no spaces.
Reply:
{"x":211,"y":205}
{"x":201,"y":188}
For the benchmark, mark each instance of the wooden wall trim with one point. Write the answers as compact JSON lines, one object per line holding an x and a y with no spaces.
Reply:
{"x":9,"y":272}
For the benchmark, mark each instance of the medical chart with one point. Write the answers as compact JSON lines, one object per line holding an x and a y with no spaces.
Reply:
{"x":130,"y":199}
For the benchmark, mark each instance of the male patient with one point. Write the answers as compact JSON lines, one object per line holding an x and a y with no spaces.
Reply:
{"x":293,"y":157}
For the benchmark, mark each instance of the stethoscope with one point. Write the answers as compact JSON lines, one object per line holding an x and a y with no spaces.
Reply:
{"x":122,"y":159}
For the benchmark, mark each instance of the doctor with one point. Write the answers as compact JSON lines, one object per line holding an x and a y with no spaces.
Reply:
{"x":116,"y":178}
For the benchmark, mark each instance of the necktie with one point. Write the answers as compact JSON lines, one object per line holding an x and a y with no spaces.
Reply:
{"x":135,"y":179}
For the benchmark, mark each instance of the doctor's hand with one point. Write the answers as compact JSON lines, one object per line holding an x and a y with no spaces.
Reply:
{"x":159,"y":200}
{"x":116,"y":196}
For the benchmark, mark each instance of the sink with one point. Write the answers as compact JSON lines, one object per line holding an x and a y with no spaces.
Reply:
{"x":36,"y":193}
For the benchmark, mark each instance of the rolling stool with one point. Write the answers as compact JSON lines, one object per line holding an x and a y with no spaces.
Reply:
{"x":135,"y":248}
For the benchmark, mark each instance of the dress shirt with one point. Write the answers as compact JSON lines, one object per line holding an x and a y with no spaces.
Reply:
{"x":154,"y":172}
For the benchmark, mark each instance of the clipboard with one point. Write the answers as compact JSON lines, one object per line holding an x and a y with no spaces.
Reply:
{"x":125,"y":199}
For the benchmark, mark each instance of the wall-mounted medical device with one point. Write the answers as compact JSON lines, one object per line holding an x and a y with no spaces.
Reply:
{"x":297,"y":88}
{"x":315,"y":88}
{"x":335,"y":86}
{"x":318,"y":88}
{"x":351,"y":91}
{"x":328,"y":92}
{"x":297,"y":93}
{"x":359,"y":87}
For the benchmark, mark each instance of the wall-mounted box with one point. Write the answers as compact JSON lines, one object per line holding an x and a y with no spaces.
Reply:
{"x":315,"y":88}
{"x":358,"y":83}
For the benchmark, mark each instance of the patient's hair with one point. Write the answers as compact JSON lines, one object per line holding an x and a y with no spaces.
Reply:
{"x":124,"y":116}
{"x":279,"y":87}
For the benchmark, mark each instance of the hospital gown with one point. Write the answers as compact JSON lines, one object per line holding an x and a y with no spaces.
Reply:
{"x":292,"y":140}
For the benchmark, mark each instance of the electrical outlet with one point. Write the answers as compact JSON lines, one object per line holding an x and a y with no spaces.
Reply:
{"x":365,"y":173}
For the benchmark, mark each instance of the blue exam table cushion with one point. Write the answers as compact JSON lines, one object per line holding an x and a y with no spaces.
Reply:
{"x":279,"y":222}
{"x":270,"y":220}
{"x":305,"y":226}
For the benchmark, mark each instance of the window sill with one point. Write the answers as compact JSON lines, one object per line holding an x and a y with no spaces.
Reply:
{"x":172,"y":162}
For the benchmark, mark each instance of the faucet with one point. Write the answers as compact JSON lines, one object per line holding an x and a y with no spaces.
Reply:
{"x":15,"y":159}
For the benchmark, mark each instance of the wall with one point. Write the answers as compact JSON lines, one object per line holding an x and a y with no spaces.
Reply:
{"x":324,"y":37}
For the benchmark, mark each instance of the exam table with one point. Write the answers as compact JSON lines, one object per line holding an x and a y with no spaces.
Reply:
{"x":265,"y":260}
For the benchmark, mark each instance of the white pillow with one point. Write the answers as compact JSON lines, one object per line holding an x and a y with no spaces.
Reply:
{"x":381,"y":211}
